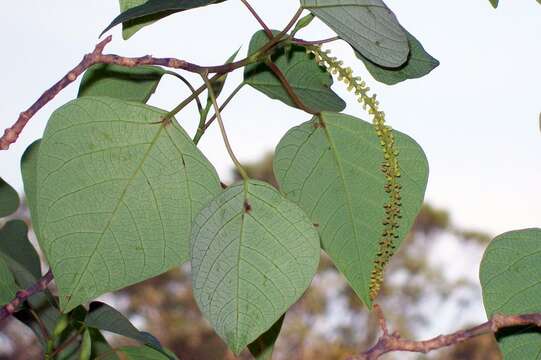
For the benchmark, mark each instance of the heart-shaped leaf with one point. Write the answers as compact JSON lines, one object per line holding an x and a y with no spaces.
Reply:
{"x":311,"y":83}
{"x":120,"y":82}
{"x":331,"y":168}
{"x":254,"y":253}
{"x":9,"y":199}
{"x":510,"y":276}
{"x":367,"y":25}
{"x":419,"y":64}
{"x":147,"y":12}
{"x":117,"y":192}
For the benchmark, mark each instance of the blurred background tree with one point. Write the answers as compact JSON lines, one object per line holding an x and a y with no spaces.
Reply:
{"x":329,"y":322}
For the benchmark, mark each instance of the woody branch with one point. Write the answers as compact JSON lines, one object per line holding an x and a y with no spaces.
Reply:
{"x":392,"y":342}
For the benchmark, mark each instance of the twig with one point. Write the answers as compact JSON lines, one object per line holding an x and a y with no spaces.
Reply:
{"x":287,"y":86}
{"x":11,"y":134}
{"x":257,"y":17}
{"x":393,"y":342}
{"x":97,"y":57}
{"x":296,"y":100}
{"x":10,"y":308}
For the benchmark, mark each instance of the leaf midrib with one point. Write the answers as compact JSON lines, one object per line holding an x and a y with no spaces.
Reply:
{"x":117,"y":206}
{"x":345,"y":188}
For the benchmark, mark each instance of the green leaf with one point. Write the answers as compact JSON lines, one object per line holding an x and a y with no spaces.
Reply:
{"x":367,"y":25}
{"x":9,"y":199}
{"x":332,"y":170}
{"x":129,"y":28}
{"x":254,"y":253}
{"x":29,"y":170}
{"x":419,"y":64}
{"x":120,"y":82}
{"x":262,"y":348}
{"x":510,"y":276}
{"x":136,"y":17}
{"x":117,"y":192}
{"x":19,"y":254}
{"x":302,"y":23}
{"x":494,"y":3}
{"x":8,"y":287}
{"x":311,"y":83}
{"x":104,"y":317}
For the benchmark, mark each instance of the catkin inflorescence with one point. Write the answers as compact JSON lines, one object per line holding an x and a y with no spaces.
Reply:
{"x":389,"y":166}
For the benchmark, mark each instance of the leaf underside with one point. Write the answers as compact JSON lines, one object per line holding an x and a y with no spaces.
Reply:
{"x":332,"y":171}
{"x":311,"y":83}
{"x":129,"y":28}
{"x":117,"y":191}
{"x":254,"y":253}
{"x":510,"y":275}
{"x":419,"y":64}
{"x":367,"y":25}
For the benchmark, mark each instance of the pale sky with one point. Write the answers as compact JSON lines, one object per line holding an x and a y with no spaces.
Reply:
{"x":476,"y":116}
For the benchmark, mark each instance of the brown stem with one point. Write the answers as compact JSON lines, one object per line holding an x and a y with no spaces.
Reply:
{"x":258,"y":18}
{"x":287,"y":86}
{"x":296,"y":100}
{"x":393,"y":342}
{"x":292,"y":21}
{"x":10,"y":308}
{"x":12,"y":133}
